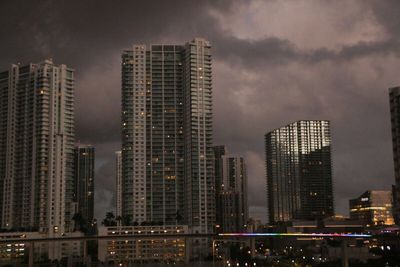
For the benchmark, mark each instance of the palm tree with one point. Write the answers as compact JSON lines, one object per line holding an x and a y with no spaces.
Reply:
{"x":109,"y":220}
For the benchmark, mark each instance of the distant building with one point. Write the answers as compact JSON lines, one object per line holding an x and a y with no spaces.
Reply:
{"x":84,"y":182}
{"x":328,"y":225}
{"x":394,"y":95}
{"x":299,"y":171}
{"x":118,"y":173}
{"x":219,"y":151}
{"x":167,"y":157}
{"x":372,"y":208}
{"x":143,"y":250}
{"x":231,"y":191}
{"x":254,"y":225}
{"x":233,"y":195}
{"x":37,"y":147}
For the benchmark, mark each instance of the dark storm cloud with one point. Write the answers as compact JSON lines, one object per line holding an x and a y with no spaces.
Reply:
{"x":274,"y":51}
{"x":387,"y":13}
{"x":259,"y":83}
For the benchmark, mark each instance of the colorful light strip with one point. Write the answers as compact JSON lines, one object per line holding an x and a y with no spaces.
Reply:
{"x":295,"y":234}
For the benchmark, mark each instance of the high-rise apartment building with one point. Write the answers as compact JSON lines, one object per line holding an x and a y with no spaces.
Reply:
{"x":394,"y":95}
{"x":299,"y":171}
{"x":167,"y":158}
{"x":199,"y":160}
{"x":118,"y":173}
{"x":37,"y":147}
{"x":373,"y":207}
{"x":84,"y":181}
{"x":232,"y":196}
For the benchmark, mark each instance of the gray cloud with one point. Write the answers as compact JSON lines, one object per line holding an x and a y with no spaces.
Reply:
{"x":273,"y":51}
{"x":259,"y":84}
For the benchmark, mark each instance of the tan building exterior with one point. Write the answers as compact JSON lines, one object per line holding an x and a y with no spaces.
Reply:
{"x":373,"y":208}
{"x":135,"y":250}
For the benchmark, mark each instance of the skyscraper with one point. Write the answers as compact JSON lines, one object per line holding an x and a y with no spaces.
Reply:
{"x":37,"y":147}
{"x":232,"y":196}
{"x":394,"y":95}
{"x":84,"y":181}
{"x":199,"y":163}
{"x":299,"y":171}
{"x":167,"y":160}
{"x":118,"y":173}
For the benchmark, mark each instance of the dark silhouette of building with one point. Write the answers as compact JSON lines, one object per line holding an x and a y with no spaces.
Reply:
{"x":219,"y":151}
{"x":84,"y":182}
{"x":394,"y":96}
{"x":231,"y":191}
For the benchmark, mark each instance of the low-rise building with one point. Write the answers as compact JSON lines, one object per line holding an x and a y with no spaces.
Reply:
{"x":139,"y":246}
{"x":373,"y":208}
{"x":42,"y":250}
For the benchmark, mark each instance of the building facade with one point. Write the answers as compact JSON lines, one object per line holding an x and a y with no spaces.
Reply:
{"x":37,"y":147}
{"x":84,"y":182}
{"x":394,"y":96}
{"x":232,"y":196}
{"x":199,"y":160}
{"x":219,"y":151}
{"x":372,"y":208}
{"x":299,"y":171}
{"x":18,"y":253}
{"x":167,"y":160}
{"x":118,"y":172}
{"x":143,"y":248}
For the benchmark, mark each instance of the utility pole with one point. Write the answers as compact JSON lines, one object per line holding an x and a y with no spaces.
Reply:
{"x":345,"y":256}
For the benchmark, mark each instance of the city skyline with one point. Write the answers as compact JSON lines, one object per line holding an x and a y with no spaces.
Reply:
{"x":253,"y":80}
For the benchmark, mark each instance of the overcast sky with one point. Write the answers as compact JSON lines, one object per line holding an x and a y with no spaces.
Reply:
{"x":274,"y":62}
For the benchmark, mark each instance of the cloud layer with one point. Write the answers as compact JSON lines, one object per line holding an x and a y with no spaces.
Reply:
{"x":274,"y":62}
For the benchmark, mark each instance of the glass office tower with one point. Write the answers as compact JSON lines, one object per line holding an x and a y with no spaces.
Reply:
{"x":299,"y":172}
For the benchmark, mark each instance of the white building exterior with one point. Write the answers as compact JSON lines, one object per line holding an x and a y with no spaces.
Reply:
{"x":36,"y":147}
